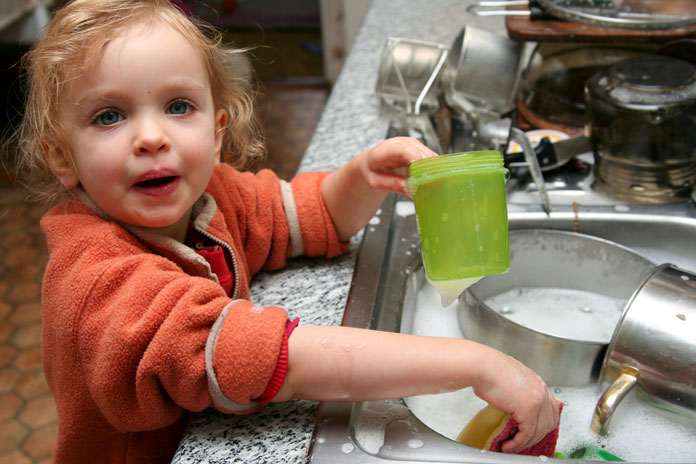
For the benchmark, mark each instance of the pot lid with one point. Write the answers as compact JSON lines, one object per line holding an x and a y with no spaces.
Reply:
{"x":647,"y":80}
{"x":644,"y":14}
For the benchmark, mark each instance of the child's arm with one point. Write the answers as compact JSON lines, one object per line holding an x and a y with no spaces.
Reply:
{"x":349,"y":364}
{"x":355,"y":191}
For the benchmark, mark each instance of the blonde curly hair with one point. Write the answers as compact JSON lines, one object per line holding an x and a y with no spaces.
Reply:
{"x":78,"y":33}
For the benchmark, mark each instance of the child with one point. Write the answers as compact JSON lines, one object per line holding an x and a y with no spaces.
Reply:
{"x":146,"y":311}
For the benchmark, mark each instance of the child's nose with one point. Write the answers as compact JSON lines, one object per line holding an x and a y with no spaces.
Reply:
{"x":151,"y":136}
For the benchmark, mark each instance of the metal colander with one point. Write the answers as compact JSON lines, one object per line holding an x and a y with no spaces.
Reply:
{"x":408,"y":73}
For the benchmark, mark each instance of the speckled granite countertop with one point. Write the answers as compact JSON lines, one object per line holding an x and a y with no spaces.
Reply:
{"x":316,"y":290}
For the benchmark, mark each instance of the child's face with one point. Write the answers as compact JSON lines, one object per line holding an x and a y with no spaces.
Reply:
{"x":145,"y":134}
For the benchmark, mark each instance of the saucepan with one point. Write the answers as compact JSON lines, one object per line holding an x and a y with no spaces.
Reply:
{"x":653,"y":347}
{"x":642,"y":123}
{"x":561,"y":286}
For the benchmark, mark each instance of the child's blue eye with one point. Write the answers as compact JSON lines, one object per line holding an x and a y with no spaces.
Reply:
{"x":108,"y":118}
{"x":179,"y":107}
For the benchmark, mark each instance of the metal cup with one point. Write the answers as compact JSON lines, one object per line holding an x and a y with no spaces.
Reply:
{"x":653,"y":347}
{"x":482,"y":72}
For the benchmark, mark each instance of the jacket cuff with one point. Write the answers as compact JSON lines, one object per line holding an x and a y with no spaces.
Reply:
{"x":319,"y":236}
{"x":242,"y":352}
{"x":281,"y":368}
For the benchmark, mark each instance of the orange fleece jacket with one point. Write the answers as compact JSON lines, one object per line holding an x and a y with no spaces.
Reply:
{"x":136,"y":329}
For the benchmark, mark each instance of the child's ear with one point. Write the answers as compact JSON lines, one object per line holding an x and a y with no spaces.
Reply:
{"x":220,"y":126}
{"x":61,"y":165}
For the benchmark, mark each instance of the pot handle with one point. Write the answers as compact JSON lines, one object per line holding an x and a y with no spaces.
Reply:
{"x":611,"y":398}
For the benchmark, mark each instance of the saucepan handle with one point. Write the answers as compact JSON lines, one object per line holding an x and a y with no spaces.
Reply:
{"x":611,"y":398}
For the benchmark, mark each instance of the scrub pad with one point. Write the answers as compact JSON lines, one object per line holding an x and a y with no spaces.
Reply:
{"x":491,"y":427}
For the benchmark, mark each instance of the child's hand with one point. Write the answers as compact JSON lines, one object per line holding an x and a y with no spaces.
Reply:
{"x":386,"y":165}
{"x":512,"y":387}
{"x":354,"y":192}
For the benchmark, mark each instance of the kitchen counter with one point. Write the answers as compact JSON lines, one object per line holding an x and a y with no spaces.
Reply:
{"x":315,"y":290}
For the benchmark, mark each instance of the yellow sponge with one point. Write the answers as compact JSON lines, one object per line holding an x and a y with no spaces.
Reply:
{"x":484,"y":427}
{"x":491,"y":427}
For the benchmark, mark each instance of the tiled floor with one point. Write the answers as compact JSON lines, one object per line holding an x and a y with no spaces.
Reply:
{"x":28,"y":423}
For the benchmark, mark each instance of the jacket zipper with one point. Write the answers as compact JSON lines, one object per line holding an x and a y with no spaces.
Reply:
{"x":235,"y":269}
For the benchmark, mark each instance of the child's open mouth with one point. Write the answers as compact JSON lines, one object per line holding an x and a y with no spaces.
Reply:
{"x":158,"y":186}
{"x":156,"y":182}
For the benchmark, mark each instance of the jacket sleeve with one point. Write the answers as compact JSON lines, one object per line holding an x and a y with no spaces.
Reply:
{"x":274,"y":219}
{"x":135,"y":328}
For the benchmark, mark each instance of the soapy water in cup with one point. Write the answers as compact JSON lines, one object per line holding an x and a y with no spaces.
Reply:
{"x":639,"y":432}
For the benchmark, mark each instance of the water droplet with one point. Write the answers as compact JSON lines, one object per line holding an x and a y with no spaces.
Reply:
{"x":445,"y":217}
{"x":347,"y":448}
{"x":415,"y":443}
{"x":557,"y":390}
{"x":347,"y":347}
{"x":586,"y":309}
{"x":506,"y":310}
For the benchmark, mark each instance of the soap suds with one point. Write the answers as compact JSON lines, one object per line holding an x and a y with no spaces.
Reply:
{"x":405,"y":208}
{"x":371,"y":426}
{"x":638,"y":432}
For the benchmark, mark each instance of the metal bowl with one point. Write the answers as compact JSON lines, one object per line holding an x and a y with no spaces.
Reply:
{"x":550,"y":259}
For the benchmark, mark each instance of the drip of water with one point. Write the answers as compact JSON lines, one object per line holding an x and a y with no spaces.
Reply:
{"x":450,"y":290}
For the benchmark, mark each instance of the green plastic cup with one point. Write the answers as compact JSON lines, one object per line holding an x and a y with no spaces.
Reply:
{"x":461,"y":212}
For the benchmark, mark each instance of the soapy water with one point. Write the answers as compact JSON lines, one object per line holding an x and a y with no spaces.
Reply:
{"x":566,"y":313}
{"x":372,"y":424}
{"x":637,"y":432}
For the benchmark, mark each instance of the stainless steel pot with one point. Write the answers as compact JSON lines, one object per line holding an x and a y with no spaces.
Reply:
{"x":552,"y":259}
{"x":654,"y":346}
{"x":482,"y":73}
{"x":641,"y":118}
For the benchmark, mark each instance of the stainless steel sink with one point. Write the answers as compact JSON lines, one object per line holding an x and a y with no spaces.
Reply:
{"x":382,"y":297}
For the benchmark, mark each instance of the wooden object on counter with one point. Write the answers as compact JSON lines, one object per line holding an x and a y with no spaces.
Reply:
{"x":540,"y":30}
